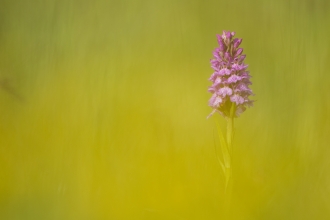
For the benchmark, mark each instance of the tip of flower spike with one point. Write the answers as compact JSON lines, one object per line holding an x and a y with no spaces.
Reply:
{"x":228,"y":34}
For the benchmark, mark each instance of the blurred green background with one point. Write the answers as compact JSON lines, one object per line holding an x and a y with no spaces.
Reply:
{"x":103,"y":109}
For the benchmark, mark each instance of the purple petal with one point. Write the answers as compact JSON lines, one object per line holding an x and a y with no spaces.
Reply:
{"x":211,"y":89}
{"x":215,"y":101}
{"x":239,"y":67}
{"x":245,"y":75}
{"x":224,"y":71}
{"x":237,"y":99}
{"x":214,"y":61}
{"x":239,"y":52}
{"x":246,"y":81}
{"x":240,"y":110}
{"x":242,"y":87}
{"x":233,"y":79}
{"x":222,"y":46}
{"x":215,"y":65}
{"x":216,"y":53}
{"x":219,"y":37}
{"x":241,"y":58}
{"x":237,"y":42}
{"x":244,"y":93}
{"x":223,"y":36}
{"x":218,"y":80}
{"x":228,"y":35}
{"x":249,"y":103}
{"x":212,"y":99}
{"x":225,"y":91}
{"x":212,"y":77}
{"x":228,"y":57}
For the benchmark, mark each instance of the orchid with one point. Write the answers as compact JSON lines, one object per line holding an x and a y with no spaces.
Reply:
{"x":231,"y":80}
{"x":230,"y":96}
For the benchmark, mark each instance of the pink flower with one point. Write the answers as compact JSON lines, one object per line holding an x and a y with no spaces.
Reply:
{"x":224,"y":91}
{"x":224,"y":71}
{"x":231,"y":80}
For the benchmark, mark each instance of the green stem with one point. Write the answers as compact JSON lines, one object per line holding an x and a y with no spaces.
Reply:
{"x":229,"y":170}
{"x":230,"y":129}
{"x":227,"y":154}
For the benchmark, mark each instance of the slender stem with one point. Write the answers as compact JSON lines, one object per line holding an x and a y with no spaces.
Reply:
{"x":229,"y":167}
{"x":230,"y":129}
{"x":229,"y":170}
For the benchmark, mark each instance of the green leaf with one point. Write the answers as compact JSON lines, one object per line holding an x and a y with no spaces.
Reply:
{"x":224,"y":147}
{"x":219,"y":160}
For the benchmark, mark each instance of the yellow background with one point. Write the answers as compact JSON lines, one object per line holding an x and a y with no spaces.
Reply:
{"x":103,"y":109}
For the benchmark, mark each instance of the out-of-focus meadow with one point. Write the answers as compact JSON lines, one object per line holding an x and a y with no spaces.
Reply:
{"x":103,"y":109}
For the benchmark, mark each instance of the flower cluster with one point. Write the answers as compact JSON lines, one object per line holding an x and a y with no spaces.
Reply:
{"x":230,"y":80}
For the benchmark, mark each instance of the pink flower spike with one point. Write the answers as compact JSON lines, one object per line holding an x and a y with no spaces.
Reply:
{"x":231,"y":80}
